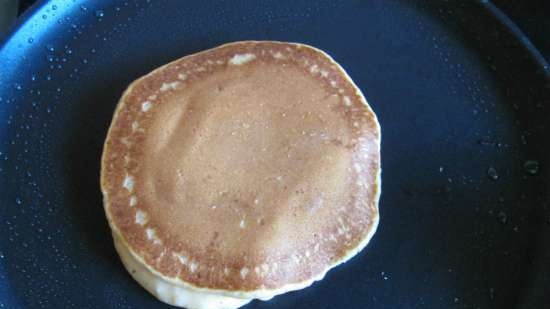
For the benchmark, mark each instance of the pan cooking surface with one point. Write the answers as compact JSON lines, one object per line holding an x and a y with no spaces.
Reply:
{"x":462,"y":98}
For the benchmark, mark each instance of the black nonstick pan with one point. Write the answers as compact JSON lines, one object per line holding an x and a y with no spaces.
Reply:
{"x":462,"y":96}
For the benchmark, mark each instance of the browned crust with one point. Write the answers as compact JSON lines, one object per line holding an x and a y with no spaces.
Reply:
{"x":160,"y":258}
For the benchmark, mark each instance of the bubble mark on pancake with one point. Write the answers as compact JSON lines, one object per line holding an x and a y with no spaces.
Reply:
{"x":314,"y":69}
{"x":240,"y":59}
{"x":347,"y":101}
{"x":244,"y":272}
{"x":141,"y":217}
{"x":128,"y":183}
{"x":133,"y":201}
{"x":146,"y":106}
{"x":193,"y":266}
{"x":182,"y":258}
{"x":135,"y":126}
{"x":278,"y":55}
{"x":242,"y":224}
{"x":125,"y":141}
{"x":169,"y":86}
{"x":152,"y":235}
{"x":182,"y":76}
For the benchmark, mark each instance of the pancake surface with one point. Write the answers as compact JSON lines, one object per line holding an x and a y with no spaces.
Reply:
{"x":246,"y":170}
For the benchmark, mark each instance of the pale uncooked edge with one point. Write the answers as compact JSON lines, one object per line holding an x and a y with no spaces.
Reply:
{"x":259,"y":293}
{"x":168,"y":292}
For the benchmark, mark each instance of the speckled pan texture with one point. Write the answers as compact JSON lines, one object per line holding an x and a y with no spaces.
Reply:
{"x":249,"y":169}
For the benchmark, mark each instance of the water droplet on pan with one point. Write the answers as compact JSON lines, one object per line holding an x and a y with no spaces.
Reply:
{"x":531,"y":167}
{"x":492,"y":173}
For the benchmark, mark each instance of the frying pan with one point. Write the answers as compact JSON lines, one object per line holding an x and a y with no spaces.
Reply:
{"x":461,"y":94}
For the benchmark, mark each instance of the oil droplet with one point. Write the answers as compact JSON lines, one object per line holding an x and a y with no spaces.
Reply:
{"x":531,"y":167}
{"x":30,"y":40}
{"x":99,"y":13}
{"x":44,"y":16}
{"x":83,"y":8}
{"x":48,"y":77}
{"x":33,"y":77}
{"x":50,"y":58}
{"x":17,"y":86}
{"x":54,"y":7}
{"x":49,"y":47}
{"x":502,"y":217}
{"x":18,"y":201}
{"x":492,"y":173}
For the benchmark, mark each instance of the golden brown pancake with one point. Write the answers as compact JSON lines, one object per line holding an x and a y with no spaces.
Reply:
{"x":241,"y":172}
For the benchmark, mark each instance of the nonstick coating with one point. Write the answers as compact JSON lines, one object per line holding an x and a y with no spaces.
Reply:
{"x":462,"y":97}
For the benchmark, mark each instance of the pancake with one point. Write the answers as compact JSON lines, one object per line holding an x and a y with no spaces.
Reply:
{"x":239,"y":173}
